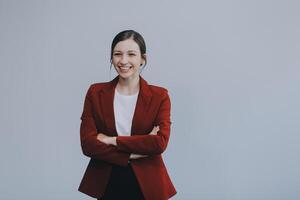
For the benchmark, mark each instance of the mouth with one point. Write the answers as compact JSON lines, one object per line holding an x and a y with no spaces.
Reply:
{"x":124,"y":69}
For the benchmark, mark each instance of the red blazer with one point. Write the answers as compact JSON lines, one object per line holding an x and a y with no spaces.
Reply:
{"x":152,"y":108}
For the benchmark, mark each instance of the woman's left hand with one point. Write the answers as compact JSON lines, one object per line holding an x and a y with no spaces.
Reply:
{"x":107,"y":139}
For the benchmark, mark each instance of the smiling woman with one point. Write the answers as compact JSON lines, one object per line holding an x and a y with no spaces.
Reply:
{"x":127,"y":59}
{"x":125,"y":128}
{"x":128,"y":54}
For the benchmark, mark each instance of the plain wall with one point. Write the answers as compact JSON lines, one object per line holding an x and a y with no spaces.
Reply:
{"x":231,"y":68}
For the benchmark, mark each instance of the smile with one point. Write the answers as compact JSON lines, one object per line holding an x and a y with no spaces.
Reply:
{"x":125,"y":69}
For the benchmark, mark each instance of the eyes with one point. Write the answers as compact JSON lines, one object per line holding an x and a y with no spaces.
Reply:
{"x":130,"y":54}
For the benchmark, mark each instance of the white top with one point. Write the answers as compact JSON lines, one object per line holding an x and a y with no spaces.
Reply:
{"x":124,"y":107}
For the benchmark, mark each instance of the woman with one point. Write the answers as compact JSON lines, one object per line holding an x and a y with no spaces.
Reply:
{"x":125,"y":128}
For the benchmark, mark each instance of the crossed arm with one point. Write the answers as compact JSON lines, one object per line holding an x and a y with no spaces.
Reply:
{"x":113,"y":141}
{"x":118,"y":150}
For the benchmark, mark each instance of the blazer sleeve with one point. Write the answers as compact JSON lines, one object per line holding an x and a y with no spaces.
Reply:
{"x":90,"y":145}
{"x":150,"y":144}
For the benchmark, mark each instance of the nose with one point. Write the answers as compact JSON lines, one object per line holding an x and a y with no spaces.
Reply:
{"x":124,"y":59}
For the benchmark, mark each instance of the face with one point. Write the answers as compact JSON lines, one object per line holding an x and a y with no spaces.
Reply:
{"x":127,"y":59}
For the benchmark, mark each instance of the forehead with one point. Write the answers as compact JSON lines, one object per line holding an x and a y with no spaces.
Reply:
{"x":127,"y":45}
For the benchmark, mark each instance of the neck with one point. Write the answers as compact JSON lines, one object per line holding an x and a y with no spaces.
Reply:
{"x":128,"y":86}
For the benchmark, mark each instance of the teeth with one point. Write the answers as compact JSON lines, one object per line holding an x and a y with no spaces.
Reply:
{"x":124,"y":69}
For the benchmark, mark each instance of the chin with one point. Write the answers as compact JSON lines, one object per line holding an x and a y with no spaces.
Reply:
{"x":125,"y":76}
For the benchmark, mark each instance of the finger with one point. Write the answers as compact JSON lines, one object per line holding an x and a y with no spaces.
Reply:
{"x":154,"y":130}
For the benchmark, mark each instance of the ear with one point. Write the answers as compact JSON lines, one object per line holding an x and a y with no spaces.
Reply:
{"x":144,"y":56}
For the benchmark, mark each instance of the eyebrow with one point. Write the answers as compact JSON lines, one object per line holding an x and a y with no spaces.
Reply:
{"x":128,"y":51}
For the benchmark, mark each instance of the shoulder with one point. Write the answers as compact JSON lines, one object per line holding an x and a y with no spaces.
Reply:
{"x":159,"y":91}
{"x":96,"y":87}
{"x":155,"y":90}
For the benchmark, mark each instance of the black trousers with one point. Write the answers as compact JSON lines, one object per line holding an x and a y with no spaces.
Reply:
{"x":122,"y":185}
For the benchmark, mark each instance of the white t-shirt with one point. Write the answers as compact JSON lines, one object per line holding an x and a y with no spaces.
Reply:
{"x":124,"y":107}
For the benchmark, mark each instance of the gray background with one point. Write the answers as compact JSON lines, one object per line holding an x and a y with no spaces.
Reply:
{"x":231,"y":67}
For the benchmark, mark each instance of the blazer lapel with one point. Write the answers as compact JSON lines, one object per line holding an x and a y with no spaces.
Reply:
{"x":141,"y":108}
{"x":106,"y":101}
